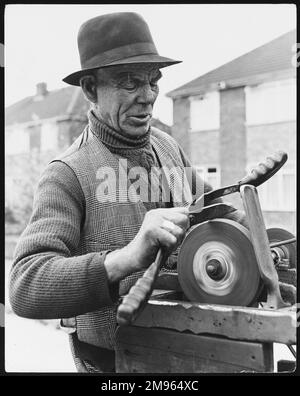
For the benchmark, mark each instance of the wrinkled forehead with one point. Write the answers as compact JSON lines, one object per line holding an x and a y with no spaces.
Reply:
{"x":136,"y":68}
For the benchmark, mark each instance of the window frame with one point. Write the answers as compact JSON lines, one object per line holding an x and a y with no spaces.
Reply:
{"x":263,"y":194}
{"x":49,"y":133}
{"x":11,"y":135}
{"x":196,"y":98}
{"x":267,"y":85}
{"x":204,"y":171}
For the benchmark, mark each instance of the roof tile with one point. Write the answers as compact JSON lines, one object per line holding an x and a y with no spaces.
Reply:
{"x":271,"y":57}
{"x":56,"y":103}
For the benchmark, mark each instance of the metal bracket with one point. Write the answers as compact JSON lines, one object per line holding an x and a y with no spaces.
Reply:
{"x":261,"y":246}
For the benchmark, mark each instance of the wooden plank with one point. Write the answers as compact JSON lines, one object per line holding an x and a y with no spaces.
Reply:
{"x":144,"y":350}
{"x":241,"y":323}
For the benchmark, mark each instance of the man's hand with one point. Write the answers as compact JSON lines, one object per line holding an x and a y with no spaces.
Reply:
{"x":161,"y":228}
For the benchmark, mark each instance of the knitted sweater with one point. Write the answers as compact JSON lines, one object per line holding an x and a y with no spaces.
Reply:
{"x":50,"y":277}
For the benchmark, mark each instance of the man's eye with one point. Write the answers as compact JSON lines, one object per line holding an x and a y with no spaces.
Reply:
{"x":127,"y":83}
{"x":131,"y":84}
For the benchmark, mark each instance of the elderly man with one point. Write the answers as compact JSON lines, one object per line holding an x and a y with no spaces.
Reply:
{"x":81,"y":252}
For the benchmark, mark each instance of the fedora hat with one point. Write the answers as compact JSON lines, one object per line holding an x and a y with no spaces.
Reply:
{"x":115,"y":39}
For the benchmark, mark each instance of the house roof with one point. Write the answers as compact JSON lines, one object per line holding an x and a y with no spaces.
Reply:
{"x":62,"y":102}
{"x":272,"y":59}
{"x":161,"y":125}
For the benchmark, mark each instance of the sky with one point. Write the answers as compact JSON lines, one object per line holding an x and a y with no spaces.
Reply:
{"x":41,"y":41}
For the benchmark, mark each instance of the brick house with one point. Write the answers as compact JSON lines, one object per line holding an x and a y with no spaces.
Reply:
{"x":231,"y":118}
{"x":38,"y":128}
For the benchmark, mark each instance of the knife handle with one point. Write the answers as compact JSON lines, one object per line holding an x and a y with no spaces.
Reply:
{"x":139,"y":294}
{"x":265,"y":170}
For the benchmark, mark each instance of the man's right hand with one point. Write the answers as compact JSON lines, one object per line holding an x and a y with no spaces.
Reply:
{"x":161,"y":228}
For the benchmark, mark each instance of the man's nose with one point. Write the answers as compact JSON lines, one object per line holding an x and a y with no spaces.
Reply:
{"x":146,"y":95}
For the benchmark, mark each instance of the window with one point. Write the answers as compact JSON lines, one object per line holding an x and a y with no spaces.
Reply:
{"x":49,"y":136}
{"x":271,"y":102}
{"x":279,"y":192}
{"x":35,"y":137}
{"x":9,"y":191}
{"x":289,"y":190}
{"x":13,"y":190}
{"x":210,"y":174}
{"x":205,"y":112}
{"x":16,"y":141}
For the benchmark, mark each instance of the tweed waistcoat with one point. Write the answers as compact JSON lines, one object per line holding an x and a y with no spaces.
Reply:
{"x":112,"y":223}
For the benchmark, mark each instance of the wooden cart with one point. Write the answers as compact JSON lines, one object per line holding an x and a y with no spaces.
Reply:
{"x":175,"y":336}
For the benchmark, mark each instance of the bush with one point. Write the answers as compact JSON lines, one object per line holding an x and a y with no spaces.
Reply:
{"x":9,"y":216}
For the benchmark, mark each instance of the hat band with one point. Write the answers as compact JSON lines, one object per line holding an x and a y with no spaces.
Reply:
{"x":119,"y":53}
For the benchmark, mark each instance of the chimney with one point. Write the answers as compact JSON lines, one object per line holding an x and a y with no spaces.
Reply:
{"x":41,"y":90}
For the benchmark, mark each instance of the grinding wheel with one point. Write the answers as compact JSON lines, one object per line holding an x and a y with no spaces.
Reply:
{"x":217,"y":264}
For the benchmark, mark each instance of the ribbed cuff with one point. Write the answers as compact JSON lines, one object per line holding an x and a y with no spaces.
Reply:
{"x":98,"y":283}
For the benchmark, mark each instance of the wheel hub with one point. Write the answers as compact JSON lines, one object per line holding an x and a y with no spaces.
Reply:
{"x":217,"y":264}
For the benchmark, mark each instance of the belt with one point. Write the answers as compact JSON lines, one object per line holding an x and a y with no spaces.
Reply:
{"x":102,"y":359}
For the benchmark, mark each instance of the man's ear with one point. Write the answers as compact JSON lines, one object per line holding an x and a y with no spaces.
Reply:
{"x":89,"y":87}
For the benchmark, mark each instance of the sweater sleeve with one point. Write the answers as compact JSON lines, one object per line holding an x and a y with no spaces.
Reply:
{"x":47,"y":280}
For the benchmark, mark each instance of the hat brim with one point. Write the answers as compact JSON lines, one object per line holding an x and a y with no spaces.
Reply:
{"x":160,"y":61}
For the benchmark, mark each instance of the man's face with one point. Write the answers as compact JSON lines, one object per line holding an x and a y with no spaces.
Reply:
{"x":125,"y":97}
